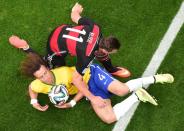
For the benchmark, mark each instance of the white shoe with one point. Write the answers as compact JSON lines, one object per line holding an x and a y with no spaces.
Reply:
{"x":144,"y":96}
{"x":164,"y":78}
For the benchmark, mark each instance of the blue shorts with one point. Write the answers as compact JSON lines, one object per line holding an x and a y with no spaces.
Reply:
{"x":99,"y":81}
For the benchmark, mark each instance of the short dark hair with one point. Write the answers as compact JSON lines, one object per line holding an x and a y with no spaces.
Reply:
{"x":31,"y":64}
{"x":110,"y":43}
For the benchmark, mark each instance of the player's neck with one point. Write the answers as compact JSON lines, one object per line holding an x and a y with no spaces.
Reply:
{"x":51,"y":79}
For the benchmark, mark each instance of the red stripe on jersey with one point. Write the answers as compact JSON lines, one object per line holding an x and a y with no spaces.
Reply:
{"x":92,"y":41}
{"x":71,"y":44}
{"x":54,"y":40}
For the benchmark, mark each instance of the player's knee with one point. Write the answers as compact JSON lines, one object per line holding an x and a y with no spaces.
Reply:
{"x":120,"y":93}
{"x":118,"y":88}
{"x":108,"y":119}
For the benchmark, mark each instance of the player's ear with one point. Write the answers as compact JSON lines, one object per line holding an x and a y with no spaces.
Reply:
{"x":113,"y":51}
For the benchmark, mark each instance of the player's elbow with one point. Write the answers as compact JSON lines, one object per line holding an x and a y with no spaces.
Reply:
{"x":30,"y":90}
{"x":76,"y":78}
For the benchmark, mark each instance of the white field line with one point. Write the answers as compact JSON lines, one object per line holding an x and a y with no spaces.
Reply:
{"x":155,"y":62}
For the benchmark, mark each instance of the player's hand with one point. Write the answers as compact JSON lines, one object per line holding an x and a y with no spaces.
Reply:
{"x":39,"y":107}
{"x":64,"y":106}
{"x":17,"y":42}
{"x":100,"y":102}
{"x":77,"y":8}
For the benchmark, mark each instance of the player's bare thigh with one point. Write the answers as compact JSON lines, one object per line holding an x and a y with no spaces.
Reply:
{"x":106,"y":113}
{"x":118,"y":88}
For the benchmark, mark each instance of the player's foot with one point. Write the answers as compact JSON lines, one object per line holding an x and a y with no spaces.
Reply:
{"x":18,"y":43}
{"x":164,"y":78}
{"x":144,"y":96}
{"x":122,"y":72}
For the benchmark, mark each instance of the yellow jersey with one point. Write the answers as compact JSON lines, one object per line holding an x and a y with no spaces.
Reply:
{"x":63,"y":75}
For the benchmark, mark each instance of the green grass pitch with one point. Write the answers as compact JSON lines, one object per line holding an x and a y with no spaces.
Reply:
{"x":139,"y":25}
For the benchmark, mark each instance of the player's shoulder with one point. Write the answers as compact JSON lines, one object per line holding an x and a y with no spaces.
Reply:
{"x":36,"y":85}
{"x":35,"y":82}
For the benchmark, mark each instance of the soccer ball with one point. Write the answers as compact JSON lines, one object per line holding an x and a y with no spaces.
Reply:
{"x":58,"y":94}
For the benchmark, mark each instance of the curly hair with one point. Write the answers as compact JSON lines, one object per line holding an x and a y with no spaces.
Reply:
{"x":31,"y":64}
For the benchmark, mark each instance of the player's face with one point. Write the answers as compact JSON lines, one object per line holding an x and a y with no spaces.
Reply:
{"x":43,"y":74}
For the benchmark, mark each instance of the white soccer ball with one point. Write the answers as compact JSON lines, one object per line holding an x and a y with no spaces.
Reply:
{"x":58,"y":94}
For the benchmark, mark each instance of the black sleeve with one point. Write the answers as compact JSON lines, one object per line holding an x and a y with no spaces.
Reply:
{"x":86,"y":21}
{"x":83,"y":62}
{"x":29,"y":50}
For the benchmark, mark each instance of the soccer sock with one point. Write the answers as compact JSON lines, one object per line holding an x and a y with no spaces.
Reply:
{"x":121,"y":108}
{"x":140,"y":82}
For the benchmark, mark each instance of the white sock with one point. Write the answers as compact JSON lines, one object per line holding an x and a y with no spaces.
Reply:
{"x":121,"y":108}
{"x":140,"y":82}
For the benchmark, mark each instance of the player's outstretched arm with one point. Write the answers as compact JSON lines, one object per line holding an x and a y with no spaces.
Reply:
{"x":83,"y":87}
{"x":34,"y":102}
{"x":76,"y":11}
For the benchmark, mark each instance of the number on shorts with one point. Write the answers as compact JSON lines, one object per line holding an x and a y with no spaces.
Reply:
{"x":101,"y":77}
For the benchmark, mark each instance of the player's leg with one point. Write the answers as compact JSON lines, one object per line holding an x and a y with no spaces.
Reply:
{"x":109,"y":115}
{"x":98,"y":84}
{"x":120,"y":89}
{"x":106,"y":114}
{"x":144,"y":81}
{"x":120,"y":109}
{"x":108,"y":84}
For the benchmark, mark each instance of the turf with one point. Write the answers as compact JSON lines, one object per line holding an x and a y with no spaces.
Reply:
{"x":168,"y":115}
{"x":139,"y":25}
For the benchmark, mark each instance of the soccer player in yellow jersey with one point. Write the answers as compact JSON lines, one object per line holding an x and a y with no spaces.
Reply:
{"x":45,"y":78}
{"x":100,"y":84}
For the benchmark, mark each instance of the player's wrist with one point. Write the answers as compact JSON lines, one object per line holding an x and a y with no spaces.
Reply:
{"x":33,"y":101}
{"x":73,"y":103}
{"x":25,"y":47}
